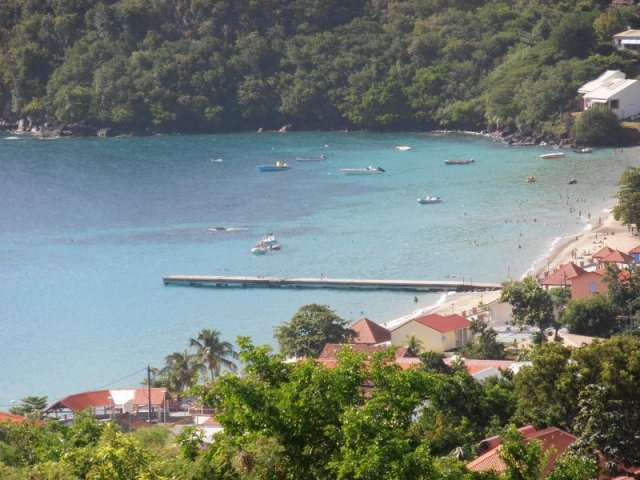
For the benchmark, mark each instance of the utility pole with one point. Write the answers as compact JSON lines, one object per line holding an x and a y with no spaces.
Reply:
{"x":149,"y":392}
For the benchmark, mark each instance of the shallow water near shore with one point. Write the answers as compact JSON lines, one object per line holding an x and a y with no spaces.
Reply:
{"x":89,"y":227}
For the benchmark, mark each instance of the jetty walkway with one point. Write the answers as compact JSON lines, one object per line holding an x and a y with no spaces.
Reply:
{"x":465,"y":285}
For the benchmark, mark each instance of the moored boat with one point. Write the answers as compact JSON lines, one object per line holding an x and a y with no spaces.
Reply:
{"x":551,"y":156}
{"x":460,"y":162}
{"x":259,"y":250}
{"x":268,"y":240}
{"x":572,"y":181}
{"x":311,"y":158}
{"x":274,"y":168}
{"x":530,"y":179}
{"x":362,"y":171}
{"x":403,"y":148}
{"x":429,"y":199}
{"x":583,"y":150}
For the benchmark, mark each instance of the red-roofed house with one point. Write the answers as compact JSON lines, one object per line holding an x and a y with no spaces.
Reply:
{"x":115,"y":400}
{"x":328,"y":356}
{"x":603,"y":252}
{"x":370,"y":332}
{"x":617,"y":258}
{"x":635,"y":253}
{"x":583,"y":284}
{"x":11,"y":417}
{"x":553,"y":440}
{"x":436,"y":332}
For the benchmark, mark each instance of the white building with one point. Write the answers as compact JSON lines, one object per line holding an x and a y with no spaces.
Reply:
{"x":613,"y":90}
{"x":628,"y":40}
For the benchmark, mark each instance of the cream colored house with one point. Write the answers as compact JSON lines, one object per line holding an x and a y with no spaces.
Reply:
{"x":436,"y":332}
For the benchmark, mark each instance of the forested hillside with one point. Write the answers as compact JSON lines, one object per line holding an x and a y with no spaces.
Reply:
{"x":219,"y":65}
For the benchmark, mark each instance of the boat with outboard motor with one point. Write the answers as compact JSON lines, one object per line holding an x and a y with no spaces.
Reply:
{"x":279,"y":166}
{"x":429,"y":199}
{"x":362,"y":171}
{"x":460,"y":162}
{"x":551,"y":156}
{"x":311,"y":158}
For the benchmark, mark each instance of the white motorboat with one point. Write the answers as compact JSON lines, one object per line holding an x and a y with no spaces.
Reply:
{"x":259,"y":250}
{"x":429,"y":199}
{"x":311,"y":158}
{"x":362,"y":171}
{"x":403,"y":148}
{"x":551,"y":156}
{"x":268,"y":240}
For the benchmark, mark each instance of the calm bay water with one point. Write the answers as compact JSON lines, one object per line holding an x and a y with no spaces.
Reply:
{"x":88,"y":228}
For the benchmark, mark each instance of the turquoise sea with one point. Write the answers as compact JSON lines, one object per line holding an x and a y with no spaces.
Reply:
{"x":88,"y":227}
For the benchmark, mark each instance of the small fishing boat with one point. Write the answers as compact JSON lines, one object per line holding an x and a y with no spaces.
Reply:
{"x":259,"y":250}
{"x":362,"y":171}
{"x":311,"y":158}
{"x":572,"y":181}
{"x":551,"y":156}
{"x":268,"y":240}
{"x":583,"y":150}
{"x":530,"y":179}
{"x":460,"y":162}
{"x":403,"y":148}
{"x":274,"y":168}
{"x":429,"y":199}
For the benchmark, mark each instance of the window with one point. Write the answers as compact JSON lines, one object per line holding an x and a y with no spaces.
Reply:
{"x":614,"y":104}
{"x":594,"y":287}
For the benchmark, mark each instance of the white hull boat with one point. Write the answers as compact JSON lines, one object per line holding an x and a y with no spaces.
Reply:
{"x":429,"y":199}
{"x":552,"y":156}
{"x":362,"y":171}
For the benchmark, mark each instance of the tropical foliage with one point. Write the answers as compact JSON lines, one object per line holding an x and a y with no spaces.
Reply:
{"x":310,"y":329}
{"x":386,"y":64}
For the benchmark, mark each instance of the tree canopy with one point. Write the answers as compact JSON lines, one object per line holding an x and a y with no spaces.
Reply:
{"x":204,"y":66}
{"x":310,"y":329}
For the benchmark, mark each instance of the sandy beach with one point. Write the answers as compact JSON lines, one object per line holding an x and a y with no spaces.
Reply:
{"x":579,"y":248}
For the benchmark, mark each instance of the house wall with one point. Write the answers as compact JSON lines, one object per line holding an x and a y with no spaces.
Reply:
{"x":581,"y":285}
{"x":430,"y":338}
{"x":629,"y":101}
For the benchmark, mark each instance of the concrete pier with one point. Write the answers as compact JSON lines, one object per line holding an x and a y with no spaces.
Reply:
{"x":465,"y":285}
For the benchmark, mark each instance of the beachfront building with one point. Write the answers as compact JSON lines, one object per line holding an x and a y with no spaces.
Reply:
{"x":618,"y":258}
{"x":329,"y":354}
{"x":108,"y":403}
{"x":635,"y":253}
{"x":583,"y":284}
{"x":370,"y":333}
{"x":628,"y":40}
{"x":436,"y":332}
{"x":613,"y":90}
{"x":554,"y":442}
{"x":11,"y":417}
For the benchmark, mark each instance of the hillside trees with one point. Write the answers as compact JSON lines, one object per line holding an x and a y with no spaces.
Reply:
{"x":209,"y":66}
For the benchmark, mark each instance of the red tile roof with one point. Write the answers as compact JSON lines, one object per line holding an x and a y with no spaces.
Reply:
{"x":635,"y":249}
{"x":370,"y":332}
{"x":553,"y":439}
{"x":102,"y":398}
{"x":617,"y":257}
{"x":443,"y":324}
{"x":603,"y":252}
{"x":473,"y":365}
{"x":564,"y":274}
{"x":11,"y":417}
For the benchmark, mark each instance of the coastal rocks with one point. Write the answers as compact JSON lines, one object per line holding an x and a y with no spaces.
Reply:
{"x":77,"y":130}
{"x":105,"y":132}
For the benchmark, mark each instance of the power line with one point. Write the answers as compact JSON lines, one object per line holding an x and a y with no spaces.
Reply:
{"x":120,"y":379}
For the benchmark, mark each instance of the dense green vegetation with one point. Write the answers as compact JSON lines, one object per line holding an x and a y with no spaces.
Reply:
{"x":304,"y":421}
{"x":214,"y":65}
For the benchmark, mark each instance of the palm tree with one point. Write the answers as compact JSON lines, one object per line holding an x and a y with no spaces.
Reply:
{"x":180,"y":369}
{"x":414,"y":344}
{"x":213,"y":353}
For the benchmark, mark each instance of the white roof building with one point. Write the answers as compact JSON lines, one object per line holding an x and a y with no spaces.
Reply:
{"x":628,"y":40}
{"x":612,"y":89}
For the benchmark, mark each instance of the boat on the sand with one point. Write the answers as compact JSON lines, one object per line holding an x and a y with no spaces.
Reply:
{"x":551,"y":156}
{"x":429,"y":199}
{"x":466,"y":161}
{"x":362,"y":171}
